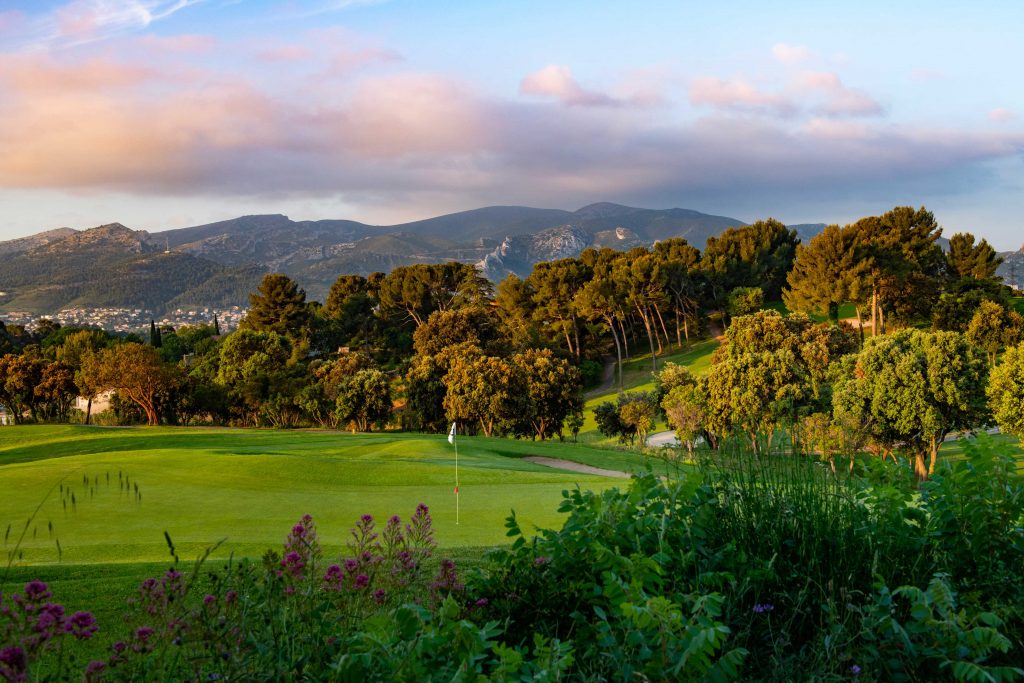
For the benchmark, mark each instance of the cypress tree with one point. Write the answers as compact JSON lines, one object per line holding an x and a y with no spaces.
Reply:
{"x":154,"y":335}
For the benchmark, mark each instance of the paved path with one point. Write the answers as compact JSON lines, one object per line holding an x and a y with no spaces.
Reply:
{"x":662,"y":439}
{"x":571,"y":466}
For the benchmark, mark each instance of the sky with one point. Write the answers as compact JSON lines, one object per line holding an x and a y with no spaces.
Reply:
{"x":163,"y":114}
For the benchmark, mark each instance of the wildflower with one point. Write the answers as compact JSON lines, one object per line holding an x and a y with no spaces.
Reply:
{"x":230,"y":597}
{"x":119,"y":647}
{"x":351,"y":565}
{"x":94,"y":671}
{"x":366,"y":519}
{"x":855,"y":670}
{"x":362,"y":581}
{"x":36,"y":591}
{"x":333,"y":578}
{"x":50,"y":621}
{"x":293,"y":563}
{"x":761,"y":608}
{"x":482,"y":602}
{"x":380,"y":595}
{"x":82,"y":625}
{"x":209,"y":600}
{"x":13,"y":663}
{"x":541,"y":561}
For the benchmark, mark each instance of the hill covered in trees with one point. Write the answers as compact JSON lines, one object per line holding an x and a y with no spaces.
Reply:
{"x":219,"y":263}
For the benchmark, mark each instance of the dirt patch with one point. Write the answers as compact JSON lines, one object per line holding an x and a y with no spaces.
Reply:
{"x":571,"y":466}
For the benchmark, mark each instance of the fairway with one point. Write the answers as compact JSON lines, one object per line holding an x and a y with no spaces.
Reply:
{"x":250,"y":486}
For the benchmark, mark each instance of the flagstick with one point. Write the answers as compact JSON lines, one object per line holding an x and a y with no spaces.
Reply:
{"x":456,"y":443}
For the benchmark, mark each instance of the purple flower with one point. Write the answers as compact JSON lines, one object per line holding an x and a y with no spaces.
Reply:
{"x":366,"y":519}
{"x":351,"y":565}
{"x":13,"y":663}
{"x":209,"y":600}
{"x":230,"y":597}
{"x":95,"y":667}
{"x":761,"y":608}
{"x":362,"y":581}
{"x":541,"y":561}
{"x":855,"y":670}
{"x":482,"y":602}
{"x":143,"y":633}
{"x":298,"y":531}
{"x":380,"y":595}
{"x":333,"y":578}
{"x":36,"y":591}
{"x":82,"y":625}
{"x":119,"y":647}
{"x":50,"y":619}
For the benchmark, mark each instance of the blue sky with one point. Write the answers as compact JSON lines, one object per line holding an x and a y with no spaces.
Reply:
{"x":168,"y":113}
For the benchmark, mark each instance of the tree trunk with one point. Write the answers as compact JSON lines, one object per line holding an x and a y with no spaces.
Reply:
{"x":881,"y":319}
{"x":625,"y":342}
{"x":679,"y":332}
{"x":618,"y":348}
{"x":935,"y":443}
{"x":920,"y":469}
{"x":874,"y":310}
{"x":668,"y":340}
{"x":860,"y":326}
{"x":650,"y":339}
{"x":88,"y":410}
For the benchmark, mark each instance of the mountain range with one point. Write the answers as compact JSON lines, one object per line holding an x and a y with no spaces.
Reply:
{"x":219,"y":264}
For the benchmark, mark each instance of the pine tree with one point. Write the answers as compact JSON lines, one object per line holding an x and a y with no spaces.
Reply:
{"x":154,"y":335}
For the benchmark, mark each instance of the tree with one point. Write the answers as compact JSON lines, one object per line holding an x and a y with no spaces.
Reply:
{"x":827,"y":272}
{"x":473,"y":324}
{"x":554,"y":285}
{"x":602,"y":298}
{"x":19,"y":377}
{"x":484,"y":389}
{"x":744,"y":301}
{"x":426,"y":388}
{"x":253,"y":367}
{"x":420,"y":289}
{"x":56,"y":390}
{"x":760,"y":254}
{"x":554,"y":390}
{"x":914,"y":388}
{"x":278,"y":305}
{"x":1006,"y":392}
{"x":992,"y":327}
{"x":609,"y":421}
{"x":365,"y":399}
{"x":637,"y":410}
{"x":969,"y":260}
{"x":154,"y":335}
{"x":684,"y":409}
{"x":134,"y":371}
{"x":680,"y":264}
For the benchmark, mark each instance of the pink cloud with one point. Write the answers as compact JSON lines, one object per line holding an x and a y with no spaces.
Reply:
{"x":284,"y":53}
{"x":1001,"y":115}
{"x":738,"y":95}
{"x":556,"y":81}
{"x":179,"y":44}
{"x":838,"y":99}
{"x":791,"y":54}
{"x":40,"y":75}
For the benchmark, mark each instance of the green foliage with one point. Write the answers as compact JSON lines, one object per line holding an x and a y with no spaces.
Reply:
{"x":278,"y":305}
{"x":365,"y":399}
{"x":756,"y":255}
{"x":1006,"y":392}
{"x":744,"y":301}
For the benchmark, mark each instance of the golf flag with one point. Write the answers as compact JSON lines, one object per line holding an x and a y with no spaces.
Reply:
{"x":451,"y":434}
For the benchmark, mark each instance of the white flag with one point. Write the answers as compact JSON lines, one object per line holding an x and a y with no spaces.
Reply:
{"x":451,"y":434}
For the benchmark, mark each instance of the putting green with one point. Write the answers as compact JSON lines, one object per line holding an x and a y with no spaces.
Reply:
{"x":250,"y":486}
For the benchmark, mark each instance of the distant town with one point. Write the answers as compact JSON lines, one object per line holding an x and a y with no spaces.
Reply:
{"x":127,"y":320}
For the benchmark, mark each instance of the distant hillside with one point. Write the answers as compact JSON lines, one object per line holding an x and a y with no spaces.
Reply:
{"x":218,"y":264}
{"x":108,"y":266}
{"x":1012,"y":269}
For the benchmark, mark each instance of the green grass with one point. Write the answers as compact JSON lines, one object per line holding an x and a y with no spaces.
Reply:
{"x":954,"y":450}
{"x":1018,"y":304}
{"x":250,"y":486}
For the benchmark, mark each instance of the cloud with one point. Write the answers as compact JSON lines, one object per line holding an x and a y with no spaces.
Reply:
{"x":791,"y":54}
{"x":188,"y":43}
{"x":1001,"y":115}
{"x":556,"y":81}
{"x":738,"y":95}
{"x":838,"y":99}
{"x":80,"y":22}
{"x":405,"y":138}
